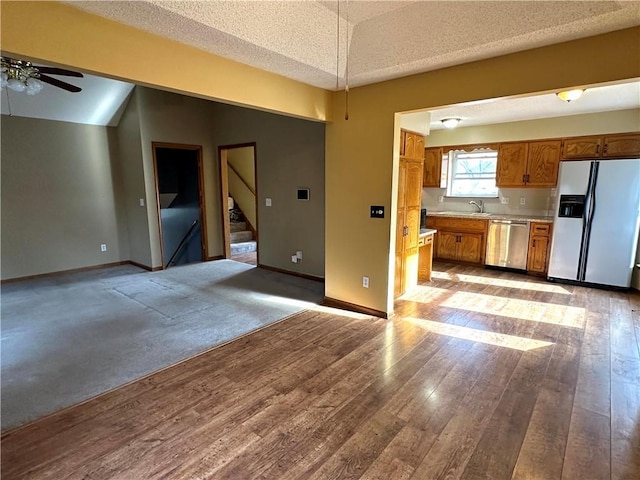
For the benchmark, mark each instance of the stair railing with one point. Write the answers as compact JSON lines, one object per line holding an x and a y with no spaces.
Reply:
{"x":182,"y":243}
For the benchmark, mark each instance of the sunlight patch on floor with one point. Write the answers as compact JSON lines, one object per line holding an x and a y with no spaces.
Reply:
{"x":317,"y":308}
{"x":566,"y":316}
{"x":482,"y":336}
{"x":423,"y":294}
{"x":501,"y":282}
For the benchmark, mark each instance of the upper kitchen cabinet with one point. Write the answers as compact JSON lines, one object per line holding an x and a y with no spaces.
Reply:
{"x":604,"y":146}
{"x":619,"y":146}
{"x":412,"y":144}
{"x":432,"y":170}
{"x":528,"y":164}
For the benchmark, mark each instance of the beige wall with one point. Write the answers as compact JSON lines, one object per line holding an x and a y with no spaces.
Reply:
{"x":290,"y":154}
{"x":59,"y":202}
{"x":617,"y":121}
{"x":129,"y":161}
{"x":362,"y":153}
{"x":242,"y":160}
{"x":178,"y":119}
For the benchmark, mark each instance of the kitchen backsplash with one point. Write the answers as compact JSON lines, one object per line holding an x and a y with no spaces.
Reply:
{"x":537,"y":201}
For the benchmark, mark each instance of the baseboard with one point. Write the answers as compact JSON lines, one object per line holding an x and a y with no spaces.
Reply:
{"x":332,"y":302}
{"x":217,"y":257}
{"x":295,"y":274}
{"x":144,"y":267}
{"x":72,"y":270}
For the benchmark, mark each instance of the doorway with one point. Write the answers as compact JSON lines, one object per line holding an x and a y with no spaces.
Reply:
{"x":238,"y":177}
{"x":179,"y":191}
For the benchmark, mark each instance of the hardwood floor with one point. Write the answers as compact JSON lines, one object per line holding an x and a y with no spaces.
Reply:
{"x":482,"y":374}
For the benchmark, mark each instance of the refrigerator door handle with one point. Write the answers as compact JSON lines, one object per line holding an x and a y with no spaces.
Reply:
{"x":588,"y":220}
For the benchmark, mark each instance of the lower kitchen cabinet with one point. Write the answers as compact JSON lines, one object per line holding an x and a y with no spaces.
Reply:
{"x":461,"y":247}
{"x":459,"y":240}
{"x":539,"y":240}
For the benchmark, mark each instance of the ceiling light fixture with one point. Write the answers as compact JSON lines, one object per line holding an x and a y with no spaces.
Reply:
{"x":450,"y":122}
{"x":570,"y":95}
{"x":20,"y":76}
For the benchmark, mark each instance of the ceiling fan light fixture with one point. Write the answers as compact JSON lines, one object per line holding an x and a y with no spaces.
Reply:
{"x":570,"y":95}
{"x":16,"y":85}
{"x":33,"y":86}
{"x":450,"y":122}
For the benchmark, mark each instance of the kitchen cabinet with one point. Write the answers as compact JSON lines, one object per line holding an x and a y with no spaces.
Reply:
{"x":602,"y":146}
{"x":459,"y":239}
{"x":425,"y":262}
{"x":411,"y":144}
{"x":432,"y":170}
{"x":528,"y":164}
{"x":539,"y":241}
{"x":407,"y":225}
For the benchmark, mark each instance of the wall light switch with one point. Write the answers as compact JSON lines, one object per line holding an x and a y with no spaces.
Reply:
{"x":294,"y":259}
{"x":267,"y":202}
{"x":377,"y":211}
{"x":103,"y":247}
{"x":299,"y":254}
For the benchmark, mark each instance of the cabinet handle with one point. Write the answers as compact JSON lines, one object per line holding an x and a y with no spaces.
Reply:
{"x":597,"y":148}
{"x":524,"y":179}
{"x":604,"y":150}
{"x":534,"y":244}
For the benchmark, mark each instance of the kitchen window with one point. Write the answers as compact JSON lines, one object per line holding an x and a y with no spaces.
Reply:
{"x":472,"y":174}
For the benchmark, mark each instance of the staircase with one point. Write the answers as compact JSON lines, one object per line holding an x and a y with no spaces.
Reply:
{"x":242,"y":240}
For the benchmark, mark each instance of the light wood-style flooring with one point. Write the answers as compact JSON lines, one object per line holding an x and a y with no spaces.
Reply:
{"x":482,"y":374}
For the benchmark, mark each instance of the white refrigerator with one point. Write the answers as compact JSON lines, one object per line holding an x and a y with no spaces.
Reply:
{"x":595,"y":230}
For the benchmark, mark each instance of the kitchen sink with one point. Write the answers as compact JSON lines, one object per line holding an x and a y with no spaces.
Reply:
{"x":474,"y":214}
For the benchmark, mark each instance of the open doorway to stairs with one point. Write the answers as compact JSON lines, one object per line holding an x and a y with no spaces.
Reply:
{"x":179,"y":191}
{"x":239,"y":202}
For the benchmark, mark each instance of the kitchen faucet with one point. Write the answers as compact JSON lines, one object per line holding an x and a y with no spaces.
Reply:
{"x":479,"y":205}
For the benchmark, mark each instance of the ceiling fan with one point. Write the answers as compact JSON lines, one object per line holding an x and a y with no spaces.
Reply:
{"x":23,"y":76}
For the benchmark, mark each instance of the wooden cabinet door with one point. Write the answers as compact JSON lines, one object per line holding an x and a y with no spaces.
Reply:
{"x":470,"y":247}
{"x":447,"y":245}
{"x":542,"y":163}
{"x":409,"y":145}
{"x":538,"y":248}
{"x":512,"y":162}
{"x":432,"y":167}
{"x":418,"y":147}
{"x":400,"y":224}
{"x":581,"y":147}
{"x":621,"y":146}
{"x":414,"y":183}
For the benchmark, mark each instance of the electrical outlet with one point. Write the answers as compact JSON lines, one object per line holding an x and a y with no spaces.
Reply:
{"x":523,"y":201}
{"x":103,"y":247}
{"x":142,"y":202}
{"x":299,"y":254}
{"x":365,"y":282}
{"x":294,"y":259}
{"x":267,"y":202}
{"x":504,"y":200}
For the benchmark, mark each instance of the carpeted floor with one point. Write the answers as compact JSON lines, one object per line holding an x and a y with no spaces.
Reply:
{"x":70,"y":337}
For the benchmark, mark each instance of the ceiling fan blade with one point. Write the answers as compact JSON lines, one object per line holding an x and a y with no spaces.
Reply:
{"x":58,"y":83}
{"x":59,"y":71}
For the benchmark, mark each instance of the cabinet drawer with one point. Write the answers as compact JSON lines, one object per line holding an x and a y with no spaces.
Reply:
{"x":540,"y":228}
{"x":461,"y":224}
{"x":425,"y":240}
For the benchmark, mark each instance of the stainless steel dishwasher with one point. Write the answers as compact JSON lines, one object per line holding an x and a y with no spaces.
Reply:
{"x":508,"y":244}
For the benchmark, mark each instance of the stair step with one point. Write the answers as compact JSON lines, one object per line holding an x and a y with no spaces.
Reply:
{"x":237,"y":226}
{"x":243,"y":236}
{"x":243,"y":247}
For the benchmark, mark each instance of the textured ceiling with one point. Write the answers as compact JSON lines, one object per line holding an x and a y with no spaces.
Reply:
{"x":384,"y":39}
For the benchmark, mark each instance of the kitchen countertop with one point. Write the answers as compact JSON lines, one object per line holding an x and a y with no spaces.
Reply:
{"x":490,"y":216}
{"x":427,"y":231}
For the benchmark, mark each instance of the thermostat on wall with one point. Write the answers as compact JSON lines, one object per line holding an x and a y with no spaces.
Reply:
{"x":303,"y":194}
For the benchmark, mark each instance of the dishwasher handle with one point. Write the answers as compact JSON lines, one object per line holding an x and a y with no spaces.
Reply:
{"x":515,"y":223}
